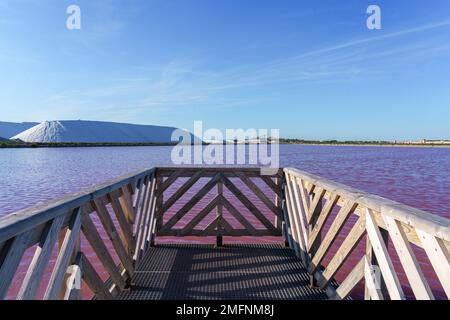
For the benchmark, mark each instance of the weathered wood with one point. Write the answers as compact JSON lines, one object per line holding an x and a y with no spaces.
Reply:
{"x":170,"y":180}
{"x":192,"y":202}
{"x":113,"y":234}
{"x":73,"y":289}
{"x":275,"y":186}
{"x":40,"y":259}
{"x":19,"y":222}
{"x":411,"y":266}
{"x":439,"y":258}
{"x":341,"y":255}
{"x":387,"y":268}
{"x":320,"y":222}
{"x":63,"y":259}
{"x":124,"y":224}
{"x":181,"y":191}
{"x":331,"y":235}
{"x":10,"y":258}
{"x":93,"y":280}
{"x":237,"y":215}
{"x":126,"y":204}
{"x":352,"y":279}
{"x":259,"y":193}
{"x":371,"y":282}
{"x":200,"y":216}
{"x":248,"y":204}
{"x":319,"y":193}
{"x":300,"y":217}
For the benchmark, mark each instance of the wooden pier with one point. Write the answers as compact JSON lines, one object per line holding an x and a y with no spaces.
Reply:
{"x":115,"y":239}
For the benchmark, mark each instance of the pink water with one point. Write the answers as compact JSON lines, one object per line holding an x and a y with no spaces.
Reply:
{"x":414,"y":176}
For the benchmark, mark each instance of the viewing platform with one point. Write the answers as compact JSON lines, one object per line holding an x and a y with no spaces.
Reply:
{"x":286,"y":235}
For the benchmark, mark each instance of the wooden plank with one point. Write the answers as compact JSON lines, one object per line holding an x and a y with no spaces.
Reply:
{"x":192,"y":202}
{"x":300,"y":217}
{"x":125,"y":226}
{"x":272,"y":185}
{"x":237,"y":215}
{"x":318,"y":196}
{"x":352,"y":279}
{"x":10,"y":258}
{"x":100,"y":249}
{"x":320,"y":223}
{"x":293,"y":213}
{"x":234,"y":233}
{"x":93,"y":280}
{"x":259,"y":193}
{"x":148,"y":209}
{"x":170,"y":180}
{"x":411,"y":266}
{"x":73,"y":289}
{"x":200,"y":216}
{"x":181,"y":191}
{"x":63,"y":259}
{"x":341,"y":255}
{"x":387,"y":268}
{"x":372,"y":284}
{"x":40,"y":259}
{"x":248,"y":204}
{"x":113,"y":234}
{"x":334,"y":230}
{"x":126,"y":204}
{"x":139,"y":204}
{"x":439,"y":258}
{"x":149,"y":235}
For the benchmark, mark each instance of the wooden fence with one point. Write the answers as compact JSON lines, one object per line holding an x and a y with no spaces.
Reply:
{"x":107,"y":229}
{"x":313,"y":203}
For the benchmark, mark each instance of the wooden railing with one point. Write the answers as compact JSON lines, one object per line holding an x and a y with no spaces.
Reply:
{"x":55,"y":230}
{"x":100,"y":234}
{"x":327,"y":221}
{"x":235,"y":180}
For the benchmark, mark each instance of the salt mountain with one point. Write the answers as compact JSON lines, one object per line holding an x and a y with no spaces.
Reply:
{"x":95,"y":131}
{"x":10,"y":129}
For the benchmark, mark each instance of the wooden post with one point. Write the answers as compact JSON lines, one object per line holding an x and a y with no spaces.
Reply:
{"x":159,"y":208}
{"x":219,"y":213}
{"x":278,"y":222}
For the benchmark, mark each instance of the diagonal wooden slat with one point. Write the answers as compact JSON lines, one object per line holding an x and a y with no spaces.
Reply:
{"x":372,"y":284}
{"x":40,"y":260}
{"x":181,"y":191}
{"x":237,"y":215}
{"x":212,"y":225}
{"x":100,"y":249}
{"x":113,"y":234}
{"x":320,"y":223}
{"x":272,"y":185}
{"x":201,"y":215}
{"x":125,"y":226}
{"x":93,"y":280}
{"x":300,"y":217}
{"x":341,"y":255}
{"x":387,"y":268}
{"x":319,"y":193}
{"x":126,"y":204}
{"x":10,"y":258}
{"x":192,"y":202}
{"x":149,"y":200}
{"x":62,"y":261}
{"x":439,"y":258}
{"x":258,"y":192}
{"x":139,"y":206}
{"x":293,"y":212}
{"x":411,"y":266}
{"x":353,"y":278}
{"x":334,"y":230}
{"x":248,"y":204}
{"x":223,"y":223}
{"x":170,"y":180}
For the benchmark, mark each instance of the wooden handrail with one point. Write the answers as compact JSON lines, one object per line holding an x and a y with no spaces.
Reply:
{"x":310,"y":201}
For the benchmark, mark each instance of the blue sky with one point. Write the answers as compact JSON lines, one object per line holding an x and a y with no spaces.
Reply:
{"x":310,"y":68}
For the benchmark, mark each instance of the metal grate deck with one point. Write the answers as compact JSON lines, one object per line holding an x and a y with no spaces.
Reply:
{"x":236,"y":272}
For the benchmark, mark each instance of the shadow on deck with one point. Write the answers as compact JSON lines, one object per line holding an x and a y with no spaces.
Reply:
{"x":238,"y":272}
